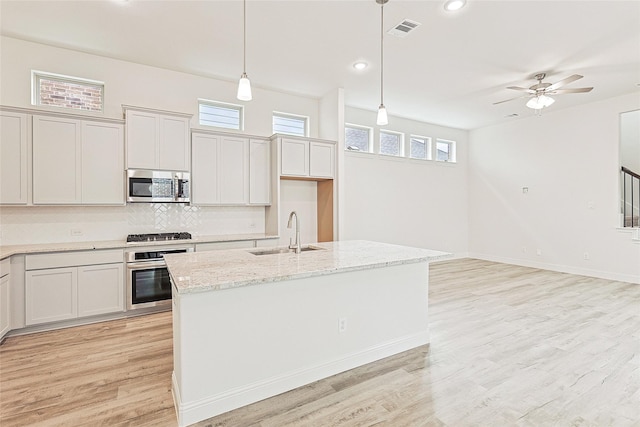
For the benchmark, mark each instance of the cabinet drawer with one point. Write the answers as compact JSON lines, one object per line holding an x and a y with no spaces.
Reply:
{"x":5,"y":267}
{"x":72,"y":259}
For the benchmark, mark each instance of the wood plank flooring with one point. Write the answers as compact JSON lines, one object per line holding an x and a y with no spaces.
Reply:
{"x":510,"y":346}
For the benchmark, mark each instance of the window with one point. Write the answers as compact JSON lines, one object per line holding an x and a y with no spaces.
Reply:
{"x":445,"y":150}
{"x":390,"y":143}
{"x":420,"y":147}
{"x":357,"y":138}
{"x":290,"y":124}
{"x":67,"y":92}
{"x":220,"y":114}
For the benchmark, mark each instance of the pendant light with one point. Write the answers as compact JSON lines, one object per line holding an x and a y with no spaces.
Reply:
{"x":244,"y":85}
{"x":382,"y":119}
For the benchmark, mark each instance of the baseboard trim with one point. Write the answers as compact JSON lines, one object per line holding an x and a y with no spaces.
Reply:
{"x":195,"y":411}
{"x":560,"y":268}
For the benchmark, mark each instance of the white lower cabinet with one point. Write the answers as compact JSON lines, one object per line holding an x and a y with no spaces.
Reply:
{"x":51,"y":295}
{"x":100,"y":289}
{"x":59,"y":287}
{"x":5,"y":305}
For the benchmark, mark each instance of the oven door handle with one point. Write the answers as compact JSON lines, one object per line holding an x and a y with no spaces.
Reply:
{"x":145,"y":265}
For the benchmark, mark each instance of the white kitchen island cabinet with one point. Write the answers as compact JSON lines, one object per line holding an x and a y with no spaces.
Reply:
{"x":249,"y":326}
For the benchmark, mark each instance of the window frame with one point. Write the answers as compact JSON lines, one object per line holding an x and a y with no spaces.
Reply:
{"x":359,"y":127}
{"x":428,"y":147}
{"x":452,"y":150}
{"x":281,"y":114}
{"x":37,"y":76}
{"x":400,"y":135}
{"x":222,"y":105}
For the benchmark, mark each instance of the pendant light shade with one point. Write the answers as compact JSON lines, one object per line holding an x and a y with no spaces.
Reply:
{"x":244,"y":88}
{"x":540,"y":102}
{"x":382,"y":119}
{"x":244,"y":85}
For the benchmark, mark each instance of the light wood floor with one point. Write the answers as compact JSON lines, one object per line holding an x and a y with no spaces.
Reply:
{"x":510,"y":346}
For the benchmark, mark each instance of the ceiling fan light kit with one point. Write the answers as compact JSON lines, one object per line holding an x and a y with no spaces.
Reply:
{"x":244,"y":85}
{"x":539,"y":92}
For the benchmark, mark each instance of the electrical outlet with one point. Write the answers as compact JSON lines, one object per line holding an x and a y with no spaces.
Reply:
{"x":524,"y":249}
{"x":342,"y":324}
{"x":586,"y":256}
{"x":539,"y":252}
{"x":77,"y":232}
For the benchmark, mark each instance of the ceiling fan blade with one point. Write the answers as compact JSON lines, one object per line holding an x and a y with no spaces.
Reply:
{"x":523,"y":89}
{"x":510,"y":99}
{"x":574,"y":90}
{"x":563,"y":82}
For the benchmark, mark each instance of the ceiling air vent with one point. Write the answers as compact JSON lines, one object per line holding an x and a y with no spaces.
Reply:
{"x":404,"y":28}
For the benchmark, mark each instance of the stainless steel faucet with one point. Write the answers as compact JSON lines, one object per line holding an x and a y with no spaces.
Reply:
{"x":297,"y":245}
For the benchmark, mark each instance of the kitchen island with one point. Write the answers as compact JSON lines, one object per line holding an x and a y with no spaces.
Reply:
{"x":249,"y":324}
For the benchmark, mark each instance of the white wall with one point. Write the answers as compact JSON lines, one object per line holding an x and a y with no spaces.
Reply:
{"x":569,"y":160}
{"x":140,"y":85}
{"x":403,"y":201}
{"x":302,"y":197}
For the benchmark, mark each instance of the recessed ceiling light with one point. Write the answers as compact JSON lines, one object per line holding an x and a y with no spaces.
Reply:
{"x":360,"y":65}
{"x":452,"y":5}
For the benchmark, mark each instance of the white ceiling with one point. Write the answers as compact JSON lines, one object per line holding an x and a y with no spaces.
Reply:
{"x":449,"y":71}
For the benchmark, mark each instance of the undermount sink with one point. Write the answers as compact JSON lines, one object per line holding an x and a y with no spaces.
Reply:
{"x":274,"y":251}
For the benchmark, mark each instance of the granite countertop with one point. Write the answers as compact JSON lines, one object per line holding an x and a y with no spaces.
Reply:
{"x":7,"y":251}
{"x":219,"y":270}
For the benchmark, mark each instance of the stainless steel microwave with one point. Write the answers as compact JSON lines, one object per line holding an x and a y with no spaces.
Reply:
{"x":157,"y":186}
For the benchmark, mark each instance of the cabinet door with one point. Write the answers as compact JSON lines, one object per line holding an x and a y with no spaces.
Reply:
{"x":294,"y":157}
{"x":100,"y":289}
{"x":174,"y":143}
{"x":259,"y":172}
{"x":142,"y":130}
{"x":5,"y":305}
{"x":56,"y":161}
{"x":13,"y":158}
{"x":102,"y":163}
{"x":234,"y":171}
{"x":204,"y":170}
{"x":321,"y":160}
{"x":51,"y":295}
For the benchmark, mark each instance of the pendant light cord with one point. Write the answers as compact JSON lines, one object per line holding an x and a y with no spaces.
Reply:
{"x":244,"y":38}
{"x":381,"y":53}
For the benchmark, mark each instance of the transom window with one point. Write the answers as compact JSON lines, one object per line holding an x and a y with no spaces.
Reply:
{"x":390,"y":143}
{"x":290,"y":124}
{"x":445,"y":150}
{"x":420,"y":147}
{"x":358,"y":138}
{"x":220,"y":114}
{"x":61,"y":91}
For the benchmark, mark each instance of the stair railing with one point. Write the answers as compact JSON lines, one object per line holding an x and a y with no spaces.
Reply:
{"x":630,"y":197}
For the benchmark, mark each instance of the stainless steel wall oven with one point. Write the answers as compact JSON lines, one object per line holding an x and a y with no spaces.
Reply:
{"x":148,"y":282}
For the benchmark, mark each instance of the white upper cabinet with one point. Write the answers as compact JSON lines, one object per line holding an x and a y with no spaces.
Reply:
{"x":102,"y":163}
{"x":13,"y":158}
{"x":219,"y":169}
{"x":321,"y":159}
{"x":157,"y":140}
{"x":294,"y":157}
{"x":77,"y":161}
{"x":259,"y":172}
{"x":56,"y":160}
{"x":307,"y":159}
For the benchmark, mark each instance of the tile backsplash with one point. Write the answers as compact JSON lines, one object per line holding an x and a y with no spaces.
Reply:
{"x":52,"y":224}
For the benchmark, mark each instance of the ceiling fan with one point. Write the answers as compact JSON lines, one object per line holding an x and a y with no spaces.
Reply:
{"x":539,"y":92}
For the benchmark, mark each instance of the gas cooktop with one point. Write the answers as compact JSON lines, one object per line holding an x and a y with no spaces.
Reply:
{"x":158,"y":237}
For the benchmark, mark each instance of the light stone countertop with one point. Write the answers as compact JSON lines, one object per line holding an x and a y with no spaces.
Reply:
{"x":7,"y":251}
{"x":219,"y":270}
